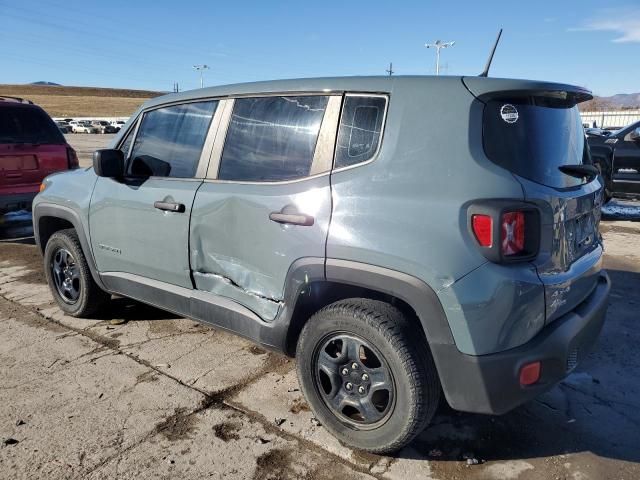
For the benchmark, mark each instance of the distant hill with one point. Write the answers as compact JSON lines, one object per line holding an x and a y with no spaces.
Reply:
{"x":625,"y":100}
{"x":42,"y":82}
{"x":62,"y":101}
{"x":621,"y":101}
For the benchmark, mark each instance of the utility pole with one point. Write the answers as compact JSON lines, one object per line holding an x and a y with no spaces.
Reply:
{"x":201,"y":69}
{"x":176,"y":87}
{"x":438,"y":45}
{"x":390,"y":69}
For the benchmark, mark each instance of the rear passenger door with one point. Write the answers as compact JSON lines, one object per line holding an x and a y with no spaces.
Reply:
{"x":139,"y":225}
{"x":266,"y":201}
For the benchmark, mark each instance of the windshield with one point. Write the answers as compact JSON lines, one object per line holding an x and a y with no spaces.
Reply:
{"x":533,"y":136}
{"x":20,"y":124}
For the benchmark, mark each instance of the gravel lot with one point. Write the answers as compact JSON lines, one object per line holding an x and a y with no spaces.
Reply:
{"x":139,"y":393}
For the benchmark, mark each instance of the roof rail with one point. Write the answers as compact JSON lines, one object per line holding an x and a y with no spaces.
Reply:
{"x":6,"y":98}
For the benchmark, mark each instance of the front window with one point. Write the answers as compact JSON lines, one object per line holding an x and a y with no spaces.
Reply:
{"x":170,"y":140}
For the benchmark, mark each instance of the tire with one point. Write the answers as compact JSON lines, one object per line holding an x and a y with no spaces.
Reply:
{"x":74,"y":289}
{"x":394,"y":356}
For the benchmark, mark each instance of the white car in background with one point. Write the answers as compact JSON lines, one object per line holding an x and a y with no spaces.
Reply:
{"x":83,"y":127}
{"x":118,"y":124}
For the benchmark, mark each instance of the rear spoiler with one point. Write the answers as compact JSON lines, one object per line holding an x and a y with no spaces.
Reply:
{"x":485,"y":88}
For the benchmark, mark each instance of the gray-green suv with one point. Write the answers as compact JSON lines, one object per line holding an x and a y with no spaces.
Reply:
{"x":401,"y":236}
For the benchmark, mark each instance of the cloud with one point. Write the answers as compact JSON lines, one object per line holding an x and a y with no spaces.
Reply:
{"x":625,"y":22}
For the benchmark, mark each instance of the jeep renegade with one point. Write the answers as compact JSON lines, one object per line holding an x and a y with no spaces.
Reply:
{"x":402,"y":237}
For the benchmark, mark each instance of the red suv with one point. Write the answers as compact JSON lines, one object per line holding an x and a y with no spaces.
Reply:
{"x":31,"y":147}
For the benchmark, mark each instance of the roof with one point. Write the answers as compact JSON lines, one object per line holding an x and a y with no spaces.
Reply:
{"x":378,"y":84}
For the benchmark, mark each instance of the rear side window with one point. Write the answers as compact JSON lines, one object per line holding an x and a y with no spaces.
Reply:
{"x":272,"y":138}
{"x":170,"y":140}
{"x":533,"y":136}
{"x":360,"y":130}
{"x":21,"y":124}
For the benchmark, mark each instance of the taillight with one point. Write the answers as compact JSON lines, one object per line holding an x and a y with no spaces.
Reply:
{"x":506,"y":231}
{"x":512,"y":233}
{"x":482,"y":226}
{"x":72,"y":158}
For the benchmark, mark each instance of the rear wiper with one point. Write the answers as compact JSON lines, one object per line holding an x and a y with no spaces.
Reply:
{"x":580,"y":171}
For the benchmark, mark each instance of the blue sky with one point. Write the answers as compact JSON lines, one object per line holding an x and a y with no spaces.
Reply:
{"x":151,"y":44}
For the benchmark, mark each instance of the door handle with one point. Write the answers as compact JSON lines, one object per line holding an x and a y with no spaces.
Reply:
{"x":169,"y":206}
{"x":292,"y":218}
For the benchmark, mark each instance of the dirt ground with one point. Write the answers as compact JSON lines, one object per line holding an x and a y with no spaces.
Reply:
{"x":60,"y":101}
{"x":138,"y":393}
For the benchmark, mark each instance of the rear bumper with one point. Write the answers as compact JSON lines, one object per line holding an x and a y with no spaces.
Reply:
{"x":16,"y":201}
{"x":490,"y":383}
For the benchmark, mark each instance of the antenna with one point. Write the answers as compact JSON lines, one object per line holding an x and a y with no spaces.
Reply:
{"x":485,"y":72}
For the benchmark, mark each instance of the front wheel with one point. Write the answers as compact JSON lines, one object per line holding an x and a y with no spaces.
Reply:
{"x":368,"y":376}
{"x":69,"y":277}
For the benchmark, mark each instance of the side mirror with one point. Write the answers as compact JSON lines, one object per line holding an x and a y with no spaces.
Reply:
{"x":108,"y":163}
{"x":635,"y":135}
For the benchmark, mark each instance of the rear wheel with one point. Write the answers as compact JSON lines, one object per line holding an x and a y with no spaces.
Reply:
{"x":69,"y":277}
{"x":365,"y":376}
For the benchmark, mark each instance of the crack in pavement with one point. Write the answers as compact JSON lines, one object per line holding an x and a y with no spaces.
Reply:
{"x":217,"y":399}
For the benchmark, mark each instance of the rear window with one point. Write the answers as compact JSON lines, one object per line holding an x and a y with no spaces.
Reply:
{"x":533,"y":136}
{"x":19,"y":124}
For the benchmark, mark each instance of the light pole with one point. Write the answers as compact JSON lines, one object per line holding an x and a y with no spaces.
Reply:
{"x":201,"y":68}
{"x":439,"y":45}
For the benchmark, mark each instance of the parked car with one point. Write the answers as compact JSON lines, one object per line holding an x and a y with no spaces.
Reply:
{"x":617,"y":156}
{"x":104,"y":127}
{"x":597,"y":132}
{"x":402,"y":237}
{"x":84,"y":127}
{"x":64,"y":126}
{"x":31,"y":147}
{"x":118,"y":124}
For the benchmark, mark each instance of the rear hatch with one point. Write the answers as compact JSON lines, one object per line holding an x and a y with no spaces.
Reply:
{"x":534,"y":130}
{"x":31,"y":147}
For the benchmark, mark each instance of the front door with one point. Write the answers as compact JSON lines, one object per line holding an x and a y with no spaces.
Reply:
{"x":267,"y":200}
{"x":139,"y":225}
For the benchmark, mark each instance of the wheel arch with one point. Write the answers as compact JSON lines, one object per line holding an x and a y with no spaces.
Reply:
{"x":346,"y":279}
{"x":50,"y":218}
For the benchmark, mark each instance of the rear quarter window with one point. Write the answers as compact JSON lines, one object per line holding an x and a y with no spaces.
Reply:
{"x":360,"y":129}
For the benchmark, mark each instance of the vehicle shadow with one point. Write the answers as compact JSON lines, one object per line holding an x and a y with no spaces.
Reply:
{"x":596,"y":409}
{"x":129,"y":310}
{"x":16,"y":227}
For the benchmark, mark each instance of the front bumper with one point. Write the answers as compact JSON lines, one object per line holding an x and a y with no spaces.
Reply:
{"x":490,"y":383}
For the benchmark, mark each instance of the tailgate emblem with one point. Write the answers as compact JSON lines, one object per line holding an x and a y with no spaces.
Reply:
{"x":509,"y":113}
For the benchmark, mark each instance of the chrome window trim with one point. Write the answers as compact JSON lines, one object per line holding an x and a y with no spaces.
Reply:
{"x":221,"y":134}
{"x":278,"y":182}
{"x":326,"y":142}
{"x":382,"y":130}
